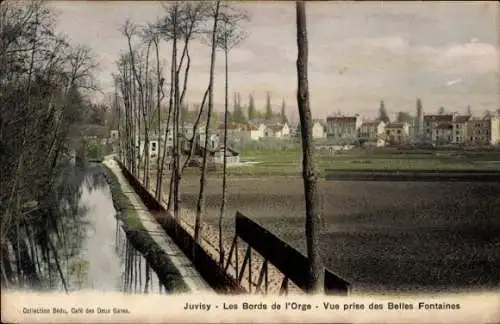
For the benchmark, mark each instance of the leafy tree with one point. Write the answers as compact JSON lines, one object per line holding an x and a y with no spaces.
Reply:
{"x":269,"y":111}
{"x":283,"y":116}
{"x":251,"y":114}
{"x":238,"y":116}
{"x":382,"y":113}
{"x":404,"y":117}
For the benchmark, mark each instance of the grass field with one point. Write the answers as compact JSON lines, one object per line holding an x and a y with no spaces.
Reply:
{"x":288,"y":162}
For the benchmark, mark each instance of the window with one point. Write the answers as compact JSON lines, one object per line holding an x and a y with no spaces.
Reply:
{"x":399,"y":131}
{"x":153,"y":146}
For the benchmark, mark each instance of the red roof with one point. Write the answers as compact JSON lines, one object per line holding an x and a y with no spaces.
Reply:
{"x":438,"y":118}
{"x":461,"y":119}
{"x":236,"y":126}
{"x":342,"y":119}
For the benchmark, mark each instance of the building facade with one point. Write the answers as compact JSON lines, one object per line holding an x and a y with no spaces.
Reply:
{"x":343,"y":127}
{"x":397,"y":133}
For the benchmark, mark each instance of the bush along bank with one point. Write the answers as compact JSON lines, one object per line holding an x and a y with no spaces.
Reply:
{"x":158,"y":260}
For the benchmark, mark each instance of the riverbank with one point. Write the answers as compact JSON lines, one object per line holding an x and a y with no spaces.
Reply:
{"x":146,"y":235}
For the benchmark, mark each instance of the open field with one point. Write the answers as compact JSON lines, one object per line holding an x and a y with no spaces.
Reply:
{"x":288,"y":162}
{"x":382,"y":236}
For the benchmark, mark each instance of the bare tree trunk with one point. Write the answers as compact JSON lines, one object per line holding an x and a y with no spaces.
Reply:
{"x":224,"y":174}
{"x":177,"y":110}
{"x":308,"y":167}
{"x":200,"y":206}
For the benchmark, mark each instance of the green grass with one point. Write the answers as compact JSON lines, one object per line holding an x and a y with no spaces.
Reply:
{"x":123,"y":206}
{"x":287,"y":162}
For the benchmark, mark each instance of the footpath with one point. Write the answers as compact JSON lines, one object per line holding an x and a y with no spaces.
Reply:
{"x":191,"y":277}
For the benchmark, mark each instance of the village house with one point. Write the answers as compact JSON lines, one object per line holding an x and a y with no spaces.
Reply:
{"x":443,"y":133}
{"x":277,"y":130}
{"x":318,"y":129}
{"x":343,"y":126}
{"x":245,"y":131}
{"x":431,"y":122}
{"x":371,"y":129}
{"x":371,"y":133}
{"x":397,"y":133}
{"x":460,"y":129}
{"x":154,"y":147}
{"x":217,"y":155}
{"x":484,"y":131}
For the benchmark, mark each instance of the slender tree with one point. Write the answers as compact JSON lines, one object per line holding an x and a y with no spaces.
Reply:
{"x":308,"y":168}
{"x":382,"y":113}
{"x":283,"y":117}
{"x":251,"y":114}
{"x":228,"y":37}
{"x":268,"y":115}
{"x":201,"y":197}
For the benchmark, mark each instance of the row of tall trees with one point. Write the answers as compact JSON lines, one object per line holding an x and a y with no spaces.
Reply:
{"x":43,"y":81}
{"x":141,"y":88}
{"x":218,"y":24}
{"x":242,"y":114}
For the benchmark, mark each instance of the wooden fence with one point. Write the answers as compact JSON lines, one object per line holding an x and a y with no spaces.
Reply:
{"x":290,"y":262}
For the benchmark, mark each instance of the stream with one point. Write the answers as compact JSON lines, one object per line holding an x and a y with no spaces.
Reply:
{"x":103,"y":259}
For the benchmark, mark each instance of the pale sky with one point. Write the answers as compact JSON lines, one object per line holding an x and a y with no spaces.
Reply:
{"x":359,"y":53}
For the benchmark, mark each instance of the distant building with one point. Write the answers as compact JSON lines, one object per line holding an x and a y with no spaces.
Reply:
{"x":484,"y":131}
{"x":277,"y":130}
{"x":217,"y":155}
{"x":343,"y":127}
{"x":443,"y":133}
{"x":318,"y":130}
{"x":431,"y":123}
{"x":460,"y":129}
{"x":397,"y":133}
{"x":371,"y":130}
{"x":244,"y":131}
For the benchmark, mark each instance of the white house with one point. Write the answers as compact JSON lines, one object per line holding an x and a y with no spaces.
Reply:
{"x":153,"y":148}
{"x":277,"y":130}
{"x":244,"y":131}
{"x":318,"y":130}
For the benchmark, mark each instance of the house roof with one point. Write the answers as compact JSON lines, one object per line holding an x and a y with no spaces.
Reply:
{"x":236,"y":126}
{"x":445,"y":126}
{"x":439,"y":118}
{"x":396,"y":125}
{"x":371,"y":123}
{"x":221,"y":148}
{"x":275,"y":127}
{"x":461,"y":119}
{"x":342,"y":119}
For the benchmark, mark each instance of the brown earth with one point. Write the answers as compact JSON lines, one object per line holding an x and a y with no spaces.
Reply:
{"x":381,"y":236}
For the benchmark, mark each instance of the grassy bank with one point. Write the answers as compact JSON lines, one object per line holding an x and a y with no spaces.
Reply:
{"x":142,"y":241}
{"x":288,"y":162}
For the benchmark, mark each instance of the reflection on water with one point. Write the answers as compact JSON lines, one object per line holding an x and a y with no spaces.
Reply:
{"x":73,"y":241}
{"x":106,"y":260}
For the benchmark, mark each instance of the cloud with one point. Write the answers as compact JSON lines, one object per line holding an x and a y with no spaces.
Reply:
{"x":452,"y":82}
